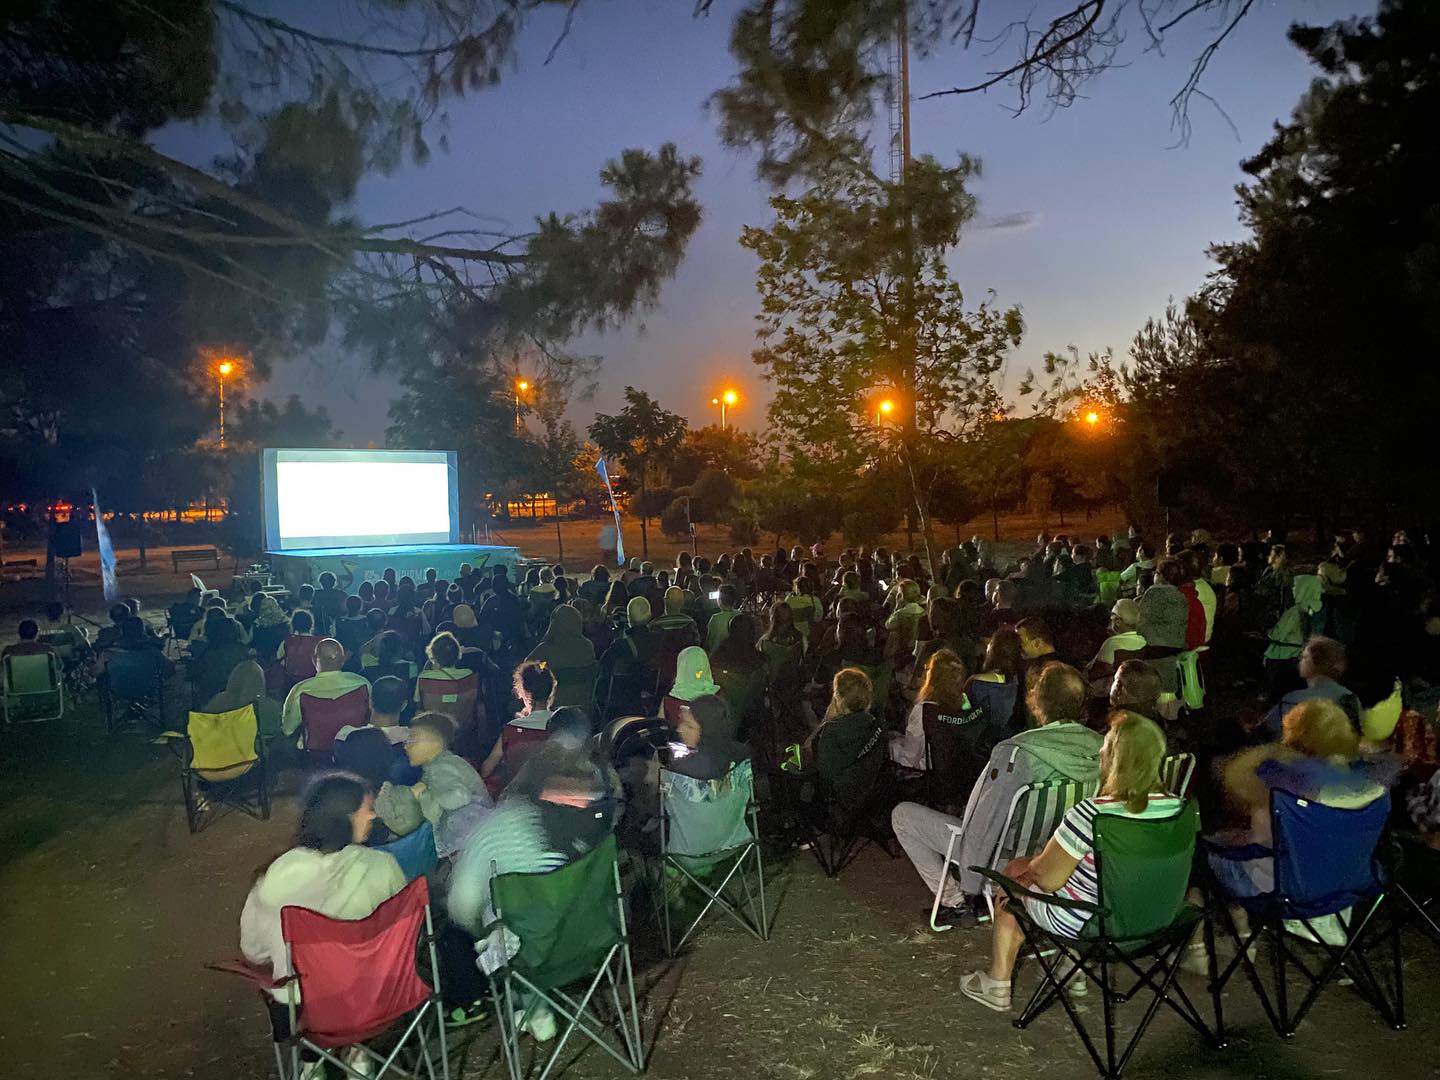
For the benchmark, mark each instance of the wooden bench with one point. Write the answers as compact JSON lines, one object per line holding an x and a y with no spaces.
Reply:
{"x":195,"y":555}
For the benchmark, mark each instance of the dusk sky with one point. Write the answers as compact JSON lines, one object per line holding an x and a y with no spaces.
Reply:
{"x":1089,"y":217}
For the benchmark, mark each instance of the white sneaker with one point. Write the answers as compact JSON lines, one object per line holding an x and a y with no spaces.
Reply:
{"x":978,"y":986}
{"x":539,"y":1025}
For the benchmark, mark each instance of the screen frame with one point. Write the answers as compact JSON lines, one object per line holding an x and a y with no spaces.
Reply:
{"x":270,"y":494}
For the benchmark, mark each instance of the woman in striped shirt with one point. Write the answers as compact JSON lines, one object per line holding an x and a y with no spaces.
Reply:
{"x":1129,"y":785}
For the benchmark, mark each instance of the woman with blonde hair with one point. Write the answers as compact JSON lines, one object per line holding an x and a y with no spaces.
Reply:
{"x":849,"y":743}
{"x":1129,"y":786}
{"x":944,"y":687}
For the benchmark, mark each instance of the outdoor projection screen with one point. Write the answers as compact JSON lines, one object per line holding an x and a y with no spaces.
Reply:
{"x":359,"y":498}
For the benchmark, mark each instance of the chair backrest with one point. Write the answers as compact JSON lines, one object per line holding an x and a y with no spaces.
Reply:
{"x":323,"y":717}
{"x":706,"y":817}
{"x":996,"y":698}
{"x":1325,"y":855}
{"x":134,"y":674}
{"x":574,"y":685}
{"x":743,"y":693}
{"x":1176,"y":772}
{"x":222,"y":745}
{"x":31,"y":675}
{"x":415,"y":852}
{"x":453,"y":697}
{"x":881,"y":677}
{"x":1191,"y":681}
{"x":357,"y":976}
{"x":300,"y":655}
{"x":957,"y":749}
{"x":852,"y":786}
{"x":1143,"y":866}
{"x":567,"y":920}
{"x":1035,"y":814}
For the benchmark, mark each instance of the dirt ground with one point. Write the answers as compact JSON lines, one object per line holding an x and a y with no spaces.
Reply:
{"x":109,"y":909}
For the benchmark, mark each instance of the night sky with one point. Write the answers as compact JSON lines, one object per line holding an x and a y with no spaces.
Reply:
{"x":1089,"y":217}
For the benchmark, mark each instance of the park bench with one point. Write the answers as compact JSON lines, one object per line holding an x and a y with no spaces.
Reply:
{"x":195,"y":555}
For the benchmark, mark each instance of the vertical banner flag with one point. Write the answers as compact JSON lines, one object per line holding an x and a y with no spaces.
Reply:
{"x":604,"y":472}
{"x":107,"y":553}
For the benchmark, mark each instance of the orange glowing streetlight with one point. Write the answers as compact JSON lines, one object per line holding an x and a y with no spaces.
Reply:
{"x":1092,"y":418}
{"x":224,"y":368}
{"x":521,"y":386}
{"x":884,"y":409}
{"x":726,"y":400}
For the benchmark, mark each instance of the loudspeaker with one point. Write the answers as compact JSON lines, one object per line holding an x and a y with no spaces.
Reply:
{"x":66,"y":540}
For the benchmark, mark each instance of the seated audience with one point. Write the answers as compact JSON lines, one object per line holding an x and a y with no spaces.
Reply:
{"x":1060,"y":748}
{"x":246,"y":686}
{"x":452,"y":796}
{"x":692,"y":680}
{"x":1164,"y":612}
{"x":372,"y":750}
{"x":329,"y":603}
{"x":29,"y":643}
{"x":719,"y":624}
{"x":327,"y":869}
{"x":944,"y":688}
{"x":184,"y":614}
{"x":1124,"y":618}
{"x":352,"y":628}
{"x":330,"y":681}
{"x":564,"y":646}
{"x":1321,"y":665}
{"x":847,"y":749}
{"x":1130,"y":786}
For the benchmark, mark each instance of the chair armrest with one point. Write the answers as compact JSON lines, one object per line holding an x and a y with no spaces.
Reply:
{"x":1015,"y":891}
{"x":256,"y":975}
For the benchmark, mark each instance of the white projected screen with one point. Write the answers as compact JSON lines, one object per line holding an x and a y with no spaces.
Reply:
{"x":359,"y":498}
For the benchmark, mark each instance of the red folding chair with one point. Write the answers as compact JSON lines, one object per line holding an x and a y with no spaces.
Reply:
{"x":299,"y":661}
{"x":358,"y":980}
{"x":321,"y":718}
{"x":454,"y":697}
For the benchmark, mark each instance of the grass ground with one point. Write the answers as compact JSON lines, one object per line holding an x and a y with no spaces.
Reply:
{"x":109,"y":909}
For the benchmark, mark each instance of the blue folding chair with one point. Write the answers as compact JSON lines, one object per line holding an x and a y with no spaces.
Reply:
{"x":415,"y":852}
{"x":998,"y":699}
{"x":1328,"y":890}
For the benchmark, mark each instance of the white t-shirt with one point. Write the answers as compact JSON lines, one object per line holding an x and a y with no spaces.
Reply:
{"x":1130,"y":641}
{"x":346,"y":884}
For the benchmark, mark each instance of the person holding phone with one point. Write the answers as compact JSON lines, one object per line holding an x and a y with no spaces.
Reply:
{"x":728,"y":596}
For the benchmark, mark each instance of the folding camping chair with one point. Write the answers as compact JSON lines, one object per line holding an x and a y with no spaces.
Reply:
{"x":299,"y":661}
{"x":322,"y":718}
{"x":222,"y":760}
{"x":1034,"y":815}
{"x":571,"y":927}
{"x":709,"y":830}
{"x":1328,"y":889}
{"x":34,"y":688}
{"x":1176,"y":772}
{"x":957,"y":748}
{"x":339,"y":1009}
{"x":415,"y":852}
{"x":837,"y":812}
{"x":133,"y":688}
{"x":998,"y":698}
{"x":454,"y":697}
{"x":1134,"y":938}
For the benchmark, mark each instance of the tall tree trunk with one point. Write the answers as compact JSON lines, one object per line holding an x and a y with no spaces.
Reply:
{"x":559,"y":540}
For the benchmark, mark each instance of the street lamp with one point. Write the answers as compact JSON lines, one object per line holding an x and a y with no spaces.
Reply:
{"x":1092,"y":418}
{"x":223,"y":370}
{"x":725,"y":400}
{"x":885,"y":408}
{"x":520,"y":387}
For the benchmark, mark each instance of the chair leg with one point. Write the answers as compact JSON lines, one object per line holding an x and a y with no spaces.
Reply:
{"x":940,"y":886}
{"x":1282,"y":990}
{"x":1107,"y":1006}
{"x":1212,"y":963}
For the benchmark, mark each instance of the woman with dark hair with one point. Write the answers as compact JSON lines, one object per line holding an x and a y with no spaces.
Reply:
{"x":327,"y":869}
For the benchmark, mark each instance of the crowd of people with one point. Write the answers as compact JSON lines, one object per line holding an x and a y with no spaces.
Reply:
{"x":525,"y":717}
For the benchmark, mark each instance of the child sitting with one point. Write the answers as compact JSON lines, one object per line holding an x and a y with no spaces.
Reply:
{"x":451,"y":794}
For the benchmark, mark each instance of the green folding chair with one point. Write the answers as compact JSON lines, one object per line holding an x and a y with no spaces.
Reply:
{"x":33,"y":688}
{"x":573,"y":939}
{"x":1135,"y":937}
{"x":709,"y":833}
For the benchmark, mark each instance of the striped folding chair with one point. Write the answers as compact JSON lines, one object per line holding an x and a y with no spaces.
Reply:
{"x":1034,"y":815}
{"x":1176,"y":772}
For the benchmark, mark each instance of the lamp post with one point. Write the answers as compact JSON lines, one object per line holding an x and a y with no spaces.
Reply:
{"x":223,"y":370}
{"x":520,"y":387}
{"x":884,"y":409}
{"x":728,"y":398}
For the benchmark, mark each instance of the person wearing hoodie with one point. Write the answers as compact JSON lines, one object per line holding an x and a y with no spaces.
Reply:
{"x":1061,"y":747}
{"x":627,"y":666}
{"x":565,"y":648}
{"x":1321,"y":664}
{"x":673,"y":632}
{"x":693,"y":680}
